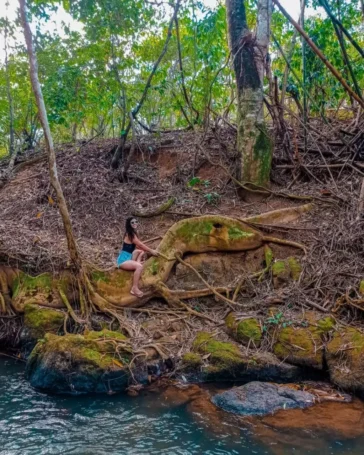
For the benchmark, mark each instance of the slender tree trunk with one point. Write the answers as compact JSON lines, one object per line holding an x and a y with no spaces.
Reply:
{"x":249,"y":54}
{"x":42,"y":113}
{"x":119,"y":151}
{"x":8,"y":91}
{"x":319,"y":54}
{"x":304,"y":74}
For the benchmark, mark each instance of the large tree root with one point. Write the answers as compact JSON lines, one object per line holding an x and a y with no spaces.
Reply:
{"x":109,"y":291}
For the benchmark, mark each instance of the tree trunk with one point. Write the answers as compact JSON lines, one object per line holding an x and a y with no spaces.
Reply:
{"x":42,"y":113}
{"x":8,"y":91}
{"x":249,"y":54}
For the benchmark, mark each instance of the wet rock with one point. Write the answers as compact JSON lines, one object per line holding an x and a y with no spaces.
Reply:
{"x":37,"y":322}
{"x":345,"y":360}
{"x":246,"y":331}
{"x":80,"y":364}
{"x":260,"y":398}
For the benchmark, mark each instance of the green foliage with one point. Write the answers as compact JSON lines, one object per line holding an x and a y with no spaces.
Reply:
{"x":212,"y":198}
{"x":93,"y":77}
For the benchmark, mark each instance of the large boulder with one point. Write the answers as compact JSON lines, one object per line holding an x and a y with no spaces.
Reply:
{"x":261,"y":398}
{"x":37,"y":322}
{"x":212,"y":360}
{"x":97,"y":362}
{"x":345,"y":360}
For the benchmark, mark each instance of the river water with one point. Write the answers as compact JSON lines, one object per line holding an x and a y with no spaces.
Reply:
{"x":33,"y":423}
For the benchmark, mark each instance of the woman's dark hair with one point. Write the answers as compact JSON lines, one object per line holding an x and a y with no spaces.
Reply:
{"x":130,"y":231}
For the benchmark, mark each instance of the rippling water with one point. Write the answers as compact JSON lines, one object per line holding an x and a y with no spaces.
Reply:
{"x":32,"y":423}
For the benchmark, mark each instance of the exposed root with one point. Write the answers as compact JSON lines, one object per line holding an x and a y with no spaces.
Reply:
{"x":174,"y":302}
{"x":300,"y":246}
{"x":69,"y":307}
{"x":196,"y":293}
{"x":286,"y":215}
{"x":158,"y":211}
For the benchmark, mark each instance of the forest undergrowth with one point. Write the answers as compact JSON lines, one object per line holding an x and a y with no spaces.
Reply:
{"x":197,"y":170}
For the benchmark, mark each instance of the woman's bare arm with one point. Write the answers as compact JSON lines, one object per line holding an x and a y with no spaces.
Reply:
{"x":142,"y":246}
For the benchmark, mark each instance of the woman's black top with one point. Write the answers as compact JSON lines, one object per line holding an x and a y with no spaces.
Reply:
{"x":128,"y":247}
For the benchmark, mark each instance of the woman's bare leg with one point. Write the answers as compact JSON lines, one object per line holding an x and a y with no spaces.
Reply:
{"x":138,"y":256}
{"x":138,"y":268}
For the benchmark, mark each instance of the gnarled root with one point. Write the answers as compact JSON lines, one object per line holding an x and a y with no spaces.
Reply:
{"x":174,"y":302}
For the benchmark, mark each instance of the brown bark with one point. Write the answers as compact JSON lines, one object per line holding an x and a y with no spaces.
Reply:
{"x":42,"y":113}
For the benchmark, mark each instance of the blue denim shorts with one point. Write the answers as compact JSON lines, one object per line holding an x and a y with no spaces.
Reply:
{"x":123,"y":257}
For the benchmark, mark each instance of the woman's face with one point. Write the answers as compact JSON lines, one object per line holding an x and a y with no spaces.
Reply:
{"x":134,"y":223}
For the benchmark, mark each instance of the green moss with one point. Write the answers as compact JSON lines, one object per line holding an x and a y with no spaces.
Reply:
{"x":230,"y":321}
{"x":327,"y":324}
{"x":236,"y":233}
{"x":279,"y":268}
{"x":27,"y":284}
{"x":244,"y":331}
{"x":287,"y":268}
{"x":268,"y":256}
{"x":100,"y":276}
{"x":349,"y":337}
{"x":106,"y":335}
{"x":295,"y":268}
{"x":39,"y":321}
{"x":86,"y":350}
{"x":153,"y":267}
{"x":361,"y":288}
{"x":249,"y":329}
{"x":191,"y":360}
{"x":189,"y":231}
{"x":222,"y":355}
{"x":300,"y":346}
{"x":263,"y":157}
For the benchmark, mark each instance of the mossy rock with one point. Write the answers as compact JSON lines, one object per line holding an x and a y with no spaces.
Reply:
{"x":247,"y":331}
{"x":286,"y":270}
{"x":300,"y":346}
{"x":305,"y":346}
{"x":345,"y":360}
{"x":191,"y":361}
{"x":37,"y":322}
{"x":223,"y":356}
{"x":80,"y":364}
{"x":225,"y":361}
{"x":40,"y":320}
{"x":42,"y":290}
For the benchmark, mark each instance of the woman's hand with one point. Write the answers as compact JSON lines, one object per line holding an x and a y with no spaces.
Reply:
{"x":154,"y":253}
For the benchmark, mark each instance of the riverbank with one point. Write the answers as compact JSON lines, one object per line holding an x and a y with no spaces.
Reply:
{"x":254,"y":291}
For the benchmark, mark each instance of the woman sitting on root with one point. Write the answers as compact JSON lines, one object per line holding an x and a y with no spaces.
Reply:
{"x":131,"y":254}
